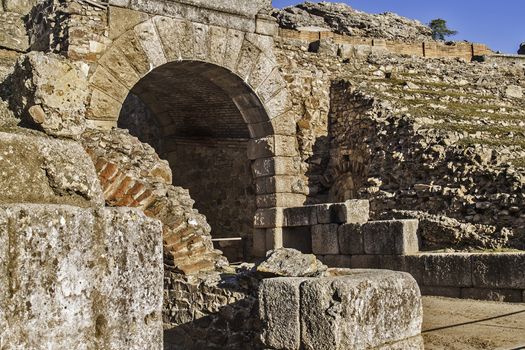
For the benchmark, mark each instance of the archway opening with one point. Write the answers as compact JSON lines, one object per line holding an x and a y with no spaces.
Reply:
{"x":197,"y":116}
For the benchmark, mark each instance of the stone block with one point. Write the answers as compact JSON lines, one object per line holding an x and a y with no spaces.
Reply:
{"x":44,"y":170}
{"x":351,"y":212}
{"x":359,"y":309}
{"x":266,"y":25}
{"x":278,"y":105}
{"x":170,"y":43}
{"x":323,"y":214}
{"x":69,"y":283}
{"x":259,"y":242}
{"x":275,"y":166}
{"x":13,"y":34}
{"x":365,"y":309}
{"x":445,"y":270}
{"x":299,"y":238}
{"x":22,"y":7}
{"x":274,"y":238}
{"x":493,"y":294}
{"x":122,"y":19}
{"x":279,"y":310}
{"x":391,"y":237}
{"x":325,"y":239}
{"x":149,"y":38}
{"x":498,"y":270}
{"x":351,"y":239}
{"x":300,"y":216}
{"x":268,"y":218}
{"x":261,"y":148}
{"x":217,"y":44}
{"x":57,"y":87}
{"x":285,"y":200}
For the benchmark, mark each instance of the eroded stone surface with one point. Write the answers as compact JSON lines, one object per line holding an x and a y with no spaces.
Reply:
{"x":358,"y":309}
{"x":36,"y":169}
{"x":51,"y":93}
{"x":79,"y":278}
{"x":290,"y":263}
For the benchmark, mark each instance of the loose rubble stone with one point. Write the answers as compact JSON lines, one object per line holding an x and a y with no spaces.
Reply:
{"x":514,"y":91}
{"x":288,"y":262}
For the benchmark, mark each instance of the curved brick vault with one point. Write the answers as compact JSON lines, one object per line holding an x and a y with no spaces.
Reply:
{"x":162,"y":56}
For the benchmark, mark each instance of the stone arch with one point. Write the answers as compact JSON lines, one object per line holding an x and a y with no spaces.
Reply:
{"x":240,"y":63}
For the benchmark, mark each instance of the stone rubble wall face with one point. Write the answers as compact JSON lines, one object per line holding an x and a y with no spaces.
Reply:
{"x":360,"y":146}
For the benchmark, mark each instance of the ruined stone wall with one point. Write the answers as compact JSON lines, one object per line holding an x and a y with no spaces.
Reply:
{"x":411,"y":133}
{"x":219,"y":177}
{"x":466,"y":51}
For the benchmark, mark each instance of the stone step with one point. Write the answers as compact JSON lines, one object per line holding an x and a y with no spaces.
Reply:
{"x":390,"y":237}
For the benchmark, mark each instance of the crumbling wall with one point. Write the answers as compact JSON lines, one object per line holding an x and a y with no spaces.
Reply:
{"x":133,"y":175}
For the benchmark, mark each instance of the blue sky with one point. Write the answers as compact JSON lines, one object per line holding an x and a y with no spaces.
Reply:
{"x":499,"y":24}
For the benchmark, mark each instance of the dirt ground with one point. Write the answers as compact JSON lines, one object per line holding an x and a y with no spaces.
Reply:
{"x":471,"y":325}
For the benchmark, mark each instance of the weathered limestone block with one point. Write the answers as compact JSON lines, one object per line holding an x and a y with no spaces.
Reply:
{"x":51,"y":93}
{"x":13,"y":34}
{"x":351,"y":239}
{"x":391,"y":237}
{"x":37,"y":169}
{"x":325,"y":239}
{"x":300,"y":216}
{"x":352,"y":211}
{"x":498,"y":270}
{"x":357,"y":309}
{"x":79,"y":278}
{"x":279,"y":300}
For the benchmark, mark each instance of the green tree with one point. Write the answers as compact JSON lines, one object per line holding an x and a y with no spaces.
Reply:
{"x":440,"y":29}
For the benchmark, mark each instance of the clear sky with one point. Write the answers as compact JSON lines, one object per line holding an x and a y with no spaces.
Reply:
{"x":498,"y":23}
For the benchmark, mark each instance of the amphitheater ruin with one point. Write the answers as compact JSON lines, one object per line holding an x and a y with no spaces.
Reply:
{"x":193,"y":174}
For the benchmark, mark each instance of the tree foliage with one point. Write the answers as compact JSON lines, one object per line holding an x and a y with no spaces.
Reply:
{"x":440,"y":29}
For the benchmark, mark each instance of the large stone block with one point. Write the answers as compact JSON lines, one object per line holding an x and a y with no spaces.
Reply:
{"x":351,"y":211}
{"x":37,"y":169}
{"x":279,"y":311}
{"x":300,"y":216}
{"x":391,"y":237}
{"x":51,"y":93}
{"x":360,"y":310}
{"x":325,"y":239}
{"x":498,"y":270}
{"x":351,"y":239}
{"x":445,"y":270}
{"x":80,"y":278}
